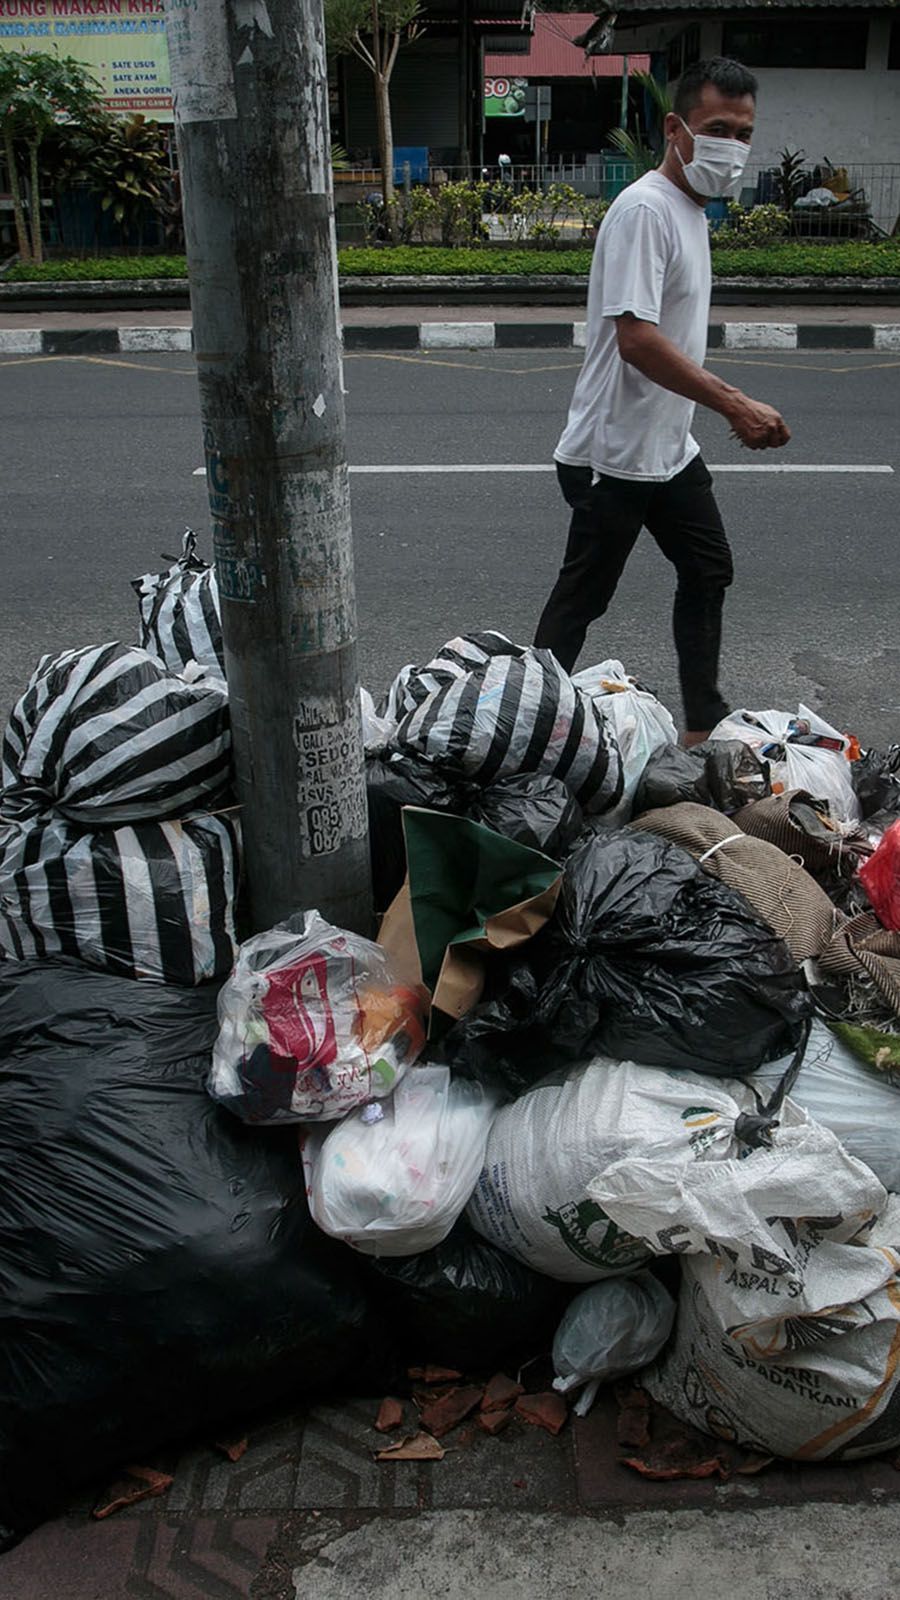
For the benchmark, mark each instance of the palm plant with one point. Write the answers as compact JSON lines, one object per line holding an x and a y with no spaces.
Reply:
{"x":639,"y":147}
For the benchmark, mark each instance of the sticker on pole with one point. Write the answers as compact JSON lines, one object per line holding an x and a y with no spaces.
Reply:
{"x":200,"y":59}
{"x":331,"y":789}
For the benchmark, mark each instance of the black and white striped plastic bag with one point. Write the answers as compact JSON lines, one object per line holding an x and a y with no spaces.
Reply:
{"x":180,"y":617}
{"x":489,"y":709}
{"x":151,"y":901}
{"x":107,"y":735}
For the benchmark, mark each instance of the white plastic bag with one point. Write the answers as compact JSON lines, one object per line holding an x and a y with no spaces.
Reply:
{"x":377,"y":731}
{"x":534,"y":1197}
{"x":641,"y":724}
{"x":608,"y":1331}
{"x":392,"y":1178}
{"x":823,"y":772}
{"x":860,"y":1105}
{"x":312,"y":1022}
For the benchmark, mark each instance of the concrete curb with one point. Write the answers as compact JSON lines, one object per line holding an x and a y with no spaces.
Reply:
{"x":170,"y":294}
{"x":460,"y":336}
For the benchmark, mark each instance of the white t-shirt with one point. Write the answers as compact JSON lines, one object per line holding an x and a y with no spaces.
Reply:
{"x":652,"y":259}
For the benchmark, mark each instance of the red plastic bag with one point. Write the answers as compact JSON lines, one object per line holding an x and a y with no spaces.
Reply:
{"x":880,"y":877}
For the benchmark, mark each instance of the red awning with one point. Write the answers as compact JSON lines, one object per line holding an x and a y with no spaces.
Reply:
{"x":553,"y":55}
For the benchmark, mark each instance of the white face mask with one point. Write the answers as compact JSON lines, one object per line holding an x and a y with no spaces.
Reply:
{"x":717,"y":164}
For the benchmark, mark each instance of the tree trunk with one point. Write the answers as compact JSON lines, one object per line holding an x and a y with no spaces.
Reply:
{"x":385,"y":136}
{"x":15,"y":190}
{"x":34,"y":210}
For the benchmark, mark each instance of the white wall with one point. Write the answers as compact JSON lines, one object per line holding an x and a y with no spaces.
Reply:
{"x":847,"y":116}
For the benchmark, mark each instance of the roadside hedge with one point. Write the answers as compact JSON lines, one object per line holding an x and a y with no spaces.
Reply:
{"x":97,"y":269}
{"x":852,"y":259}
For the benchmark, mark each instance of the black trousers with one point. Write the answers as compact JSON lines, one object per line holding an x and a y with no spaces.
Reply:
{"x":683,"y":518}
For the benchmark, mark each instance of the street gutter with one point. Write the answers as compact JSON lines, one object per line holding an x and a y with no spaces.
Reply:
{"x":494,"y":289}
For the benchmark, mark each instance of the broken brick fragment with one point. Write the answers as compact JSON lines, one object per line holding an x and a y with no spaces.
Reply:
{"x":494,"y":1422}
{"x":418,"y":1447}
{"x":547,"y":1410}
{"x":434,"y":1374}
{"x":443,"y":1415}
{"x":500,"y":1393}
{"x":390,"y":1415}
{"x":427,"y":1397}
{"x":233,"y":1449}
{"x":633,"y":1425}
{"x":136,"y":1483}
{"x":677,"y":1458}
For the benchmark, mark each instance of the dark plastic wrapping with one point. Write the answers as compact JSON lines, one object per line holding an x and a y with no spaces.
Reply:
{"x":502,"y":1041}
{"x":160,"y":1272}
{"x":648,"y":959}
{"x":533,"y":809}
{"x":660,"y":963}
{"x":876,"y":780}
{"x":392,"y":783}
{"x":721,"y":772}
{"x":467,"y":1304}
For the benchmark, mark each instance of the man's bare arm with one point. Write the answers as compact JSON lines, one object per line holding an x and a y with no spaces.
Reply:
{"x":642,"y":345}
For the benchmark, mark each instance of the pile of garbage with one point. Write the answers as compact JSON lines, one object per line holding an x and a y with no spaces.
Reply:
{"x":618,"y":1078}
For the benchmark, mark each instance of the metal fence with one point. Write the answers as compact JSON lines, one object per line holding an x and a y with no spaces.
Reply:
{"x":871,"y":211}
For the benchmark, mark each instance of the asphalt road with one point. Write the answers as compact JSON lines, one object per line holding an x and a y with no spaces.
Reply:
{"x":99,"y":453}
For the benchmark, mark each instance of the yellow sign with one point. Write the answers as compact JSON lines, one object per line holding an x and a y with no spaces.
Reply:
{"x":122,"y":42}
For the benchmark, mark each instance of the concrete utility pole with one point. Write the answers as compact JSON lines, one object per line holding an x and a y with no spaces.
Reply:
{"x":251,"y":114}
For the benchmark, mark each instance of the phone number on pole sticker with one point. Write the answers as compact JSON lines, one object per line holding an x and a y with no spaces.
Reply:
{"x":332,"y":789}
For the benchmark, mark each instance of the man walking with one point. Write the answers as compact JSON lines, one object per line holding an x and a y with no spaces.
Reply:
{"x":627,"y":459}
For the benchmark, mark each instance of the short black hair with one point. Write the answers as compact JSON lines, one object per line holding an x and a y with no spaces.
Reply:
{"x":729,"y":77}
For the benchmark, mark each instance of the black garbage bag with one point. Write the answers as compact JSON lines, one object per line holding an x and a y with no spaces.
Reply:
{"x":660,"y":963}
{"x":648,"y":959}
{"x":393,"y":782}
{"x":532,"y":808}
{"x":720,"y":772}
{"x":501,"y":1041}
{"x":876,"y":780}
{"x":160,"y":1272}
{"x":467,"y":1304}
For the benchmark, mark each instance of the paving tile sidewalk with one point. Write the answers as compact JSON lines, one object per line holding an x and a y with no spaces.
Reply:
{"x":239,"y":1531}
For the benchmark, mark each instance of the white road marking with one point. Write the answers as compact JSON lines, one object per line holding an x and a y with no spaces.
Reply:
{"x":439,"y":468}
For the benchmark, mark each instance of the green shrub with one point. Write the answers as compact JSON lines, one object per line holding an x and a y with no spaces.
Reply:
{"x":96,"y":268}
{"x":789,"y":259}
{"x":763,"y":225}
{"x":361,"y":261}
{"x":851,"y":259}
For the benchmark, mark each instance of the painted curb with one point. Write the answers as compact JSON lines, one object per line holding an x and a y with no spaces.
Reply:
{"x":458,"y":336}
